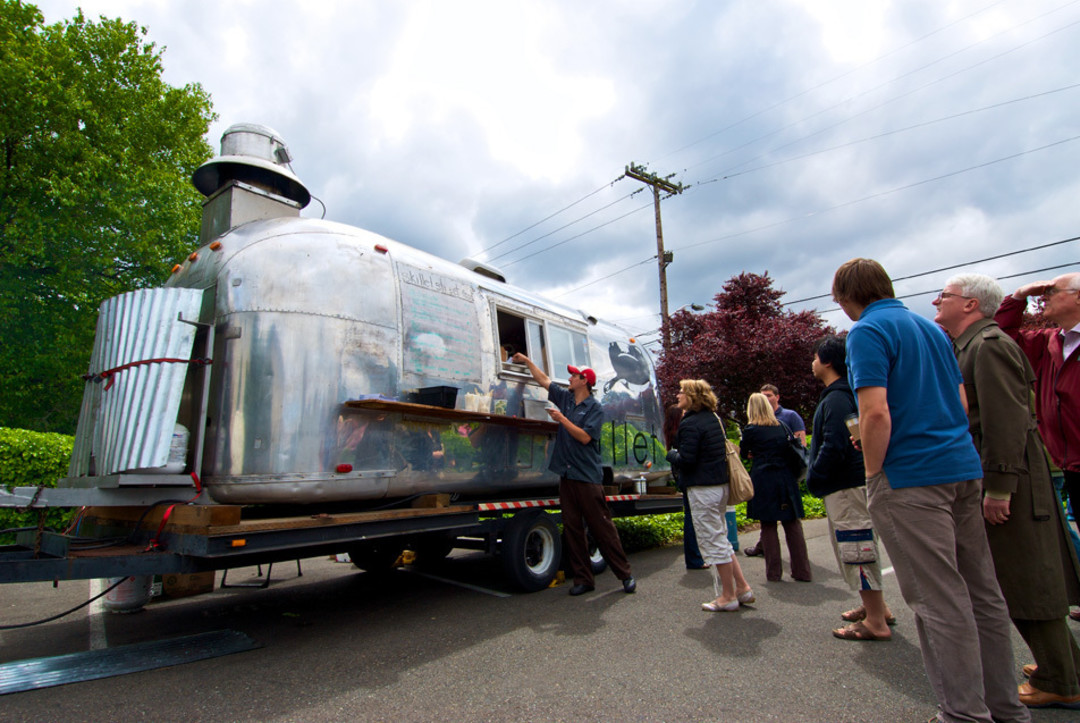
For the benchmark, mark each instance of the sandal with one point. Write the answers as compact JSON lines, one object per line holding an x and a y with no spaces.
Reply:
{"x":859,"y":614}
{"x":858,"y":631}
{"x":715,"y":607}
{"x":745,"y":598}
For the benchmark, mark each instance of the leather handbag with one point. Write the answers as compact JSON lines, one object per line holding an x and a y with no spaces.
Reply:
{"x":740,"y":487}
{"x":798,"y":457}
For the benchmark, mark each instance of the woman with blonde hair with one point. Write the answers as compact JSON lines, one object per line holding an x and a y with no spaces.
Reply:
{"x":776,"y":491}
{"x":700,"y":455}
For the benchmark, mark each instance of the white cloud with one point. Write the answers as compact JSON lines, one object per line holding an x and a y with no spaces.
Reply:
{"x":453,"y":126}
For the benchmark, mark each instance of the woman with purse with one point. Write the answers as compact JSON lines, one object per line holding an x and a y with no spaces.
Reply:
{"x":700,"y":456}
{"x":776,"y":490}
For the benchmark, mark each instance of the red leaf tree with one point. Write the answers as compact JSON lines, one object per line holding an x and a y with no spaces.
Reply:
{"x":748,"y":341}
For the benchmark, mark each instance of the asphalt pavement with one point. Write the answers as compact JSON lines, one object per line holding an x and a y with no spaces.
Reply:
{"x":454,"y":643}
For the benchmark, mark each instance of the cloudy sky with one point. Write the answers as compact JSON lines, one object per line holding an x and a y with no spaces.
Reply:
{"x":923,"y":133}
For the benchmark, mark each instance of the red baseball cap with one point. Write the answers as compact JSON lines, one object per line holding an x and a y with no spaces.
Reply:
{"x":589,"y":374}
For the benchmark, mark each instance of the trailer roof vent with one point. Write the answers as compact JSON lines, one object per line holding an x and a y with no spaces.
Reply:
{"x":483,"y":269}
{"x":256,"y":155}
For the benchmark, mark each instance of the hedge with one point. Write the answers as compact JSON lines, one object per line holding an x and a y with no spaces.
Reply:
{"x":32,"y":459}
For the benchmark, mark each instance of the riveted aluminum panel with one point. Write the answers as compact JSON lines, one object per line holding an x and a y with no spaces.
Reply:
{"x":130,"y":424}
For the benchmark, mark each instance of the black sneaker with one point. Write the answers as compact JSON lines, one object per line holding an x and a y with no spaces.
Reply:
{"x":753,"y":551}
{"x":629,"y":585}
{"x":581,"y":589}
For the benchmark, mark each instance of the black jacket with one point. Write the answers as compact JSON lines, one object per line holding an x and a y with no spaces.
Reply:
{"x":701,"y":451}
{"x":835,"y":464}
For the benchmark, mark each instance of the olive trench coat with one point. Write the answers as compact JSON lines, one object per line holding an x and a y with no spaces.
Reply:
{"x":1035,"y":561}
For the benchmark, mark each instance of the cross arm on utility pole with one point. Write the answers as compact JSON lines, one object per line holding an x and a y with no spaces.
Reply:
{"x":664,"y":258}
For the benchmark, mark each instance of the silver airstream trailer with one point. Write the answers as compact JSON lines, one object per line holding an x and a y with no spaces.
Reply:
{"x":294,"y":360}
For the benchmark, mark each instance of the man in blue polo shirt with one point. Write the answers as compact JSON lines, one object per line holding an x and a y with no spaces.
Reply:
{"x":925,"y":496}
{"x":576,"y":459}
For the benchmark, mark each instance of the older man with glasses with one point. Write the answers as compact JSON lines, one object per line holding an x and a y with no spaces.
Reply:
{"x":1035,"y":564}
{"x":1055,"y":357}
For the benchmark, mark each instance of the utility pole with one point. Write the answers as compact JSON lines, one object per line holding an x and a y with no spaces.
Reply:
{"x":640,"y":173}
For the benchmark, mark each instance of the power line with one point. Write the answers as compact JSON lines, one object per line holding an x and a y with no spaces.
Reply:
{"x":955,"y":266}
{"x":809,"y":214}
{"x":546,"y":218}
{"x":896,"y":131}
{"x":999,"y":278}
{"x":885,"y":193}
{"x":594,"y":228}
{"x":893,"y":99}
{"x":867,"y":64}
{"x":568,"y":225}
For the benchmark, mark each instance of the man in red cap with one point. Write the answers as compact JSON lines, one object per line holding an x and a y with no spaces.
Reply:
{"x":576,"y":459}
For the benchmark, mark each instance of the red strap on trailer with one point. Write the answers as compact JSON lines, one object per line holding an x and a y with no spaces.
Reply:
{"x":107,"y":375}
{"x":155,"y":543}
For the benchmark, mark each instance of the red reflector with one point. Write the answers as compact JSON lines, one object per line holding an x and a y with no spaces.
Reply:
{"x":381,"y":249}
{"x":343,"y":468}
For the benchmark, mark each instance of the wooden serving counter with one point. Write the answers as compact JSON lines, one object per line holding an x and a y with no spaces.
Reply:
{"x":426,"y":412}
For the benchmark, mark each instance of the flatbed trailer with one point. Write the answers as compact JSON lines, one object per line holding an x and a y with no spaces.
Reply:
{"x":162,"y":539}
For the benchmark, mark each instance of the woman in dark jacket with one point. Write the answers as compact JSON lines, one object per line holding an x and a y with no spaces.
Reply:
{"x":776,"y":491}
{"x":691,"y":555}
{"x":701,"y":460}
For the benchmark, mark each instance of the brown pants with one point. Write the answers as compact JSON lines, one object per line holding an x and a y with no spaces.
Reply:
{"x":584,"y":504}
{"x":796,"y":545}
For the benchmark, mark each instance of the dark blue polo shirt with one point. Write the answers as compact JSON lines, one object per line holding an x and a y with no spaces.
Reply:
{"x":570,"y":458}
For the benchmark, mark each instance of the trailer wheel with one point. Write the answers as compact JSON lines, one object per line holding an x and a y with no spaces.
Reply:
{"x":596,"y":560}
{"x":599,"y":564}
{"x":376,"y":556}
{"x":531,"y":549}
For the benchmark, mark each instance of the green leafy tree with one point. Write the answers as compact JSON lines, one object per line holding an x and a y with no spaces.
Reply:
{"x":96,"y":153}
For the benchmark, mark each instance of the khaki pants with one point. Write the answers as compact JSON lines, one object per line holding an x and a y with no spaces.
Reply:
{"x":936,"y":541}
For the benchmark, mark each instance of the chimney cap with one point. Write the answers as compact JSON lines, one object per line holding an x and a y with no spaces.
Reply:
{"x":254,"y":154}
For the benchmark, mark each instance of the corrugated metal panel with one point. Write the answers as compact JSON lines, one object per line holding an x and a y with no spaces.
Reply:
{"x":130,"y":424}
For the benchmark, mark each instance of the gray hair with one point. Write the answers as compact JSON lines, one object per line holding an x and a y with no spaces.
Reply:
{"x":982,"y":288}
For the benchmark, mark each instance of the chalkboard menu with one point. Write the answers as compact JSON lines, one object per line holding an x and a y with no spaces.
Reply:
{"x":441,"y":334}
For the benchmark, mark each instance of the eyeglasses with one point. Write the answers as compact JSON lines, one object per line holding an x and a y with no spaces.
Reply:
{"x":945,"y":295}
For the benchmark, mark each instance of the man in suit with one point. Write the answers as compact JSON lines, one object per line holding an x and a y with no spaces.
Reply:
{"x":1025,"y":526}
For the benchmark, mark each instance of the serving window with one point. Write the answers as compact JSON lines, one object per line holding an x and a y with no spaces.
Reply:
{"x":551,"y":346}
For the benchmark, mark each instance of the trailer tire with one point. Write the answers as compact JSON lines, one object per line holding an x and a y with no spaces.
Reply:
{"x":531,"y":550}
{"x":596,"y":559}
{"x":376,"y":556}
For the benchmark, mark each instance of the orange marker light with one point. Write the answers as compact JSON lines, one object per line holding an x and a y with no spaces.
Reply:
{"x":238,"y":543}
{"x":176,"y":268}
{"x":215,"y":246}
{"x":194,"y":256}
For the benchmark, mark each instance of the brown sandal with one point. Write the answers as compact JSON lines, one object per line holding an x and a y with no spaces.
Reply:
{"x":858,"y":614}
{"x":858,"y":631}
